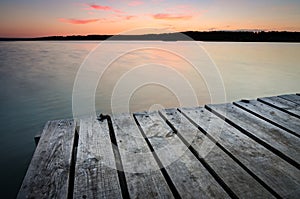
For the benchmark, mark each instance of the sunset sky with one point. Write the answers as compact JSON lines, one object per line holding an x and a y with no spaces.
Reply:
{"x":33,"y":18}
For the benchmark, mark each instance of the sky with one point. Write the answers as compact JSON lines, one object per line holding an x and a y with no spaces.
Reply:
{"x":35,"y":18}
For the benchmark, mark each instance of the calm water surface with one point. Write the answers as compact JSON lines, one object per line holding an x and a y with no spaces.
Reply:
{"x":37,"y":78}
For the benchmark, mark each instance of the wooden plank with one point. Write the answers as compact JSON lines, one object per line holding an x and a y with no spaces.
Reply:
{"x":95,"y":172}
{"x":279,"y":141}
{"x":277,"y":174}
{"x":233,"y":175}
{"x":276,"y":117}
{"x":189,"y":176}
{"x":143,"y":175}
{"x":282,"y":104}
{"x":293,"y":98}
{"x":48,"y":172}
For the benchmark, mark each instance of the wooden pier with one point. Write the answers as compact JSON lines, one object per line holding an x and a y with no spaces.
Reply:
{"x":245,"y":149}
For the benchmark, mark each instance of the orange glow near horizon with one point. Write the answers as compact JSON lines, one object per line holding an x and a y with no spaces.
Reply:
{"x":35,"y":19}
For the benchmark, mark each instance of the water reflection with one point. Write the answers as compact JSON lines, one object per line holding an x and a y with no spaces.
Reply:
{"x":37,"y":79}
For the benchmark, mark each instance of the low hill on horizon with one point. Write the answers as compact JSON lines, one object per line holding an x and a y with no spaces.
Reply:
{"x":234,"y":36}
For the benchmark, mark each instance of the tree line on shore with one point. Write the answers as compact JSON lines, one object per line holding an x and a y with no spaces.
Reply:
{"x":235,"y":36}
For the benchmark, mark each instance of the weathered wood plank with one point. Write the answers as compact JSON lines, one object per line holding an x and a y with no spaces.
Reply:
{"x":233,"y":175}
{"x":189,"y":176}
{"x":48,"y":172}
{"x":143,"y":175}
{"x":292,"y":97}
{"x":277,"y":174}
{"x":95,"y":172}
{"x":279,"y":141}
{"x":282,"y":104}
{"x":272,"y":115}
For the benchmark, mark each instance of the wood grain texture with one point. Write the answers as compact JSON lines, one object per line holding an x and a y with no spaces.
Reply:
{"x":143,"y":175}
{"x":292,"y":97}
{"x":234,"y":176}
{"x":272,"y":115}
{"x":279,"y":175}
{"x":189,"y":176}
{"x":48,"y":172}
{"x":95,"y":172}
{"x":282,"y":104}
{"x":248,"y":149}
{"x":275,"y":137}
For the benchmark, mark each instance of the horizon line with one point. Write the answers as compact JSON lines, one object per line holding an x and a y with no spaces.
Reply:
{"x":182,"y":32}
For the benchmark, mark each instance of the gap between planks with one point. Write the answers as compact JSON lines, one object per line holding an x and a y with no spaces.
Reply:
{"x":174,"y":189}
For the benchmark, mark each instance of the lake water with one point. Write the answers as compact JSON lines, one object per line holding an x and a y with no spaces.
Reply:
{"x":37,"y":83}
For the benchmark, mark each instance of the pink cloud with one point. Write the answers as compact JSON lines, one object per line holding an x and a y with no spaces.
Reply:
{"x":78,"y":21}
{"x":164,"y":16}
{"x":105,"y":8}
{"x":99,"y":7}
{"x":129,"y":17}
{"x":124,"y":17}
{"x":91,"y":13}
{"x":135,"y":3}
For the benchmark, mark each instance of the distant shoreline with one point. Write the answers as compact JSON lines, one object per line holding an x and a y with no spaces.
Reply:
{"x":225,"y":36}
